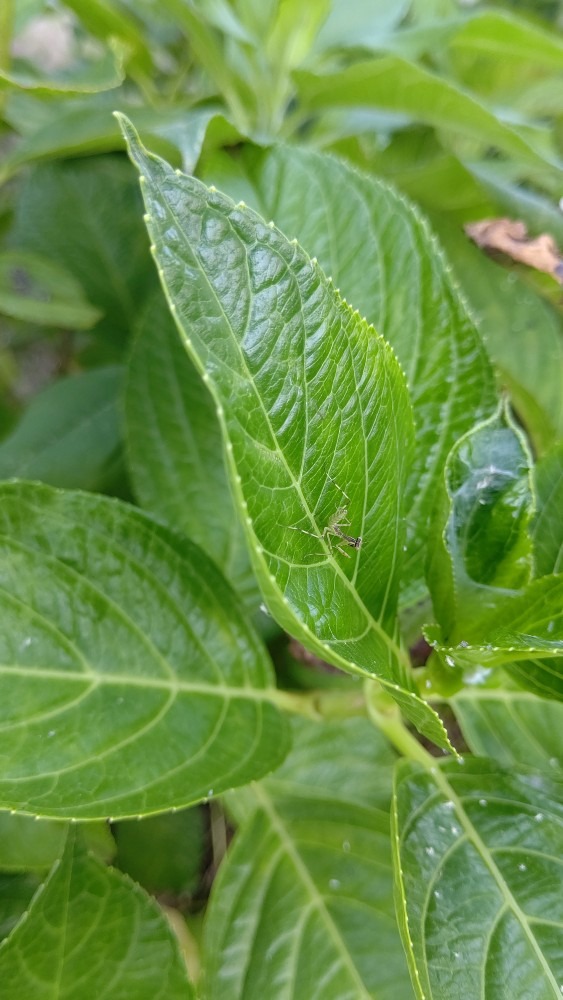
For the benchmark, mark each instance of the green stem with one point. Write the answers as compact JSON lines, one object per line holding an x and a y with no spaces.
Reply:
{"x":385,"y":714}
{"x":317,"y":705}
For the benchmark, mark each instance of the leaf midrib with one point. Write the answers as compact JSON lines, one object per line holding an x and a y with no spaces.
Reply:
{"x":509,"y":899}
{"x":377,"y":627}
{"x":316,"y":898}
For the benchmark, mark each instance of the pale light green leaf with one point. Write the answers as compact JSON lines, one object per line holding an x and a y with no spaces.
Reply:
{"x":36,"y":290}
{"x":480,"y":881}
{"x":108,"y":20}
{"x":70,"y":434}
{"x":514,"y":727}
{"x":394,"y":84}
{"x":548,"y":525}
{"x":94,"y":927}
{"x":481,"y":550}
{"x":361,"y":24}
{"x":403,"y":287}
{"x":87,"y":77}
{"x":308,"y":882}
{"x":130,"y":681}
{"x":175,"y":449}
{"x":504,"y":35}
{"x":311,"y":403}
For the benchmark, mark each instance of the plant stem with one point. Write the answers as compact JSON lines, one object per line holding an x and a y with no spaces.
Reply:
{"x":317,"y":705}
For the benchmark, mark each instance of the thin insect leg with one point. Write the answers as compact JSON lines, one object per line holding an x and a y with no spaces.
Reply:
{"x":343,"y":551}
{"x":334,"y":483}
{"x":291,"y":527}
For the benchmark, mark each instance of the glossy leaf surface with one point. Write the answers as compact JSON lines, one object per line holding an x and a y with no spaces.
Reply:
{"x":127,"y":666}
{"x":91,"y":925}
{"x":402,"y":286}
{"x":481,"y":881}
{"x":481,"y":546}
{"x":311,"y":403}
{"x":303,"y":904}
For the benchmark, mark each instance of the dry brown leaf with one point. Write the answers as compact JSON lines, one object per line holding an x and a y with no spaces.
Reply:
{"x":510,"y":236}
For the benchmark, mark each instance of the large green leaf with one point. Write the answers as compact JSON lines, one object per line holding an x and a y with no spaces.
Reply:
{"x":311,"y":403}
{"x":175,"y":449}
{"x":512,"y":727}
{"x":30,"y":844}
{"x":480,"y":881}
{"x":130,"y":681}
{"x":70,"y":435}
{"x":394,"y":84}
{"x":308,"y":880}
{"x":403,"y":287}
{"x":481,"y":549}
{"x":92,"y":930}
{"x":548,"y":525}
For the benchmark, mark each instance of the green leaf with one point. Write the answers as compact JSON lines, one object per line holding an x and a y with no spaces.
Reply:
{"x":523,"y":334}
{"x":70,"y":435}
{"x":481,"y":549}
{"x":175,"y":449}
{"x":88,"y":77}
{"x":394,"y":84}
{"x":131,"y":682}
{"x":92,"y":926}
{"x":108,"y":20}
{"x":529,"y":623}
{"x":36,"y":290}
{"x":403,"y":288}
{"x":308,"y":397}
{"x":346,"y":759}
{"x":84,"y":215}
{"x":27,"y":843}
{"x":361,"y":24}
{"x":480,"y":882}
{"x":308,"y":880}
{"x":548,"y":525}
{"x":515,"y":728}
{"x":86,"y":128}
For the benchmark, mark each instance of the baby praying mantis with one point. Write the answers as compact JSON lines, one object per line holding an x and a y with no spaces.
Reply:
{"x":333,"y":529}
